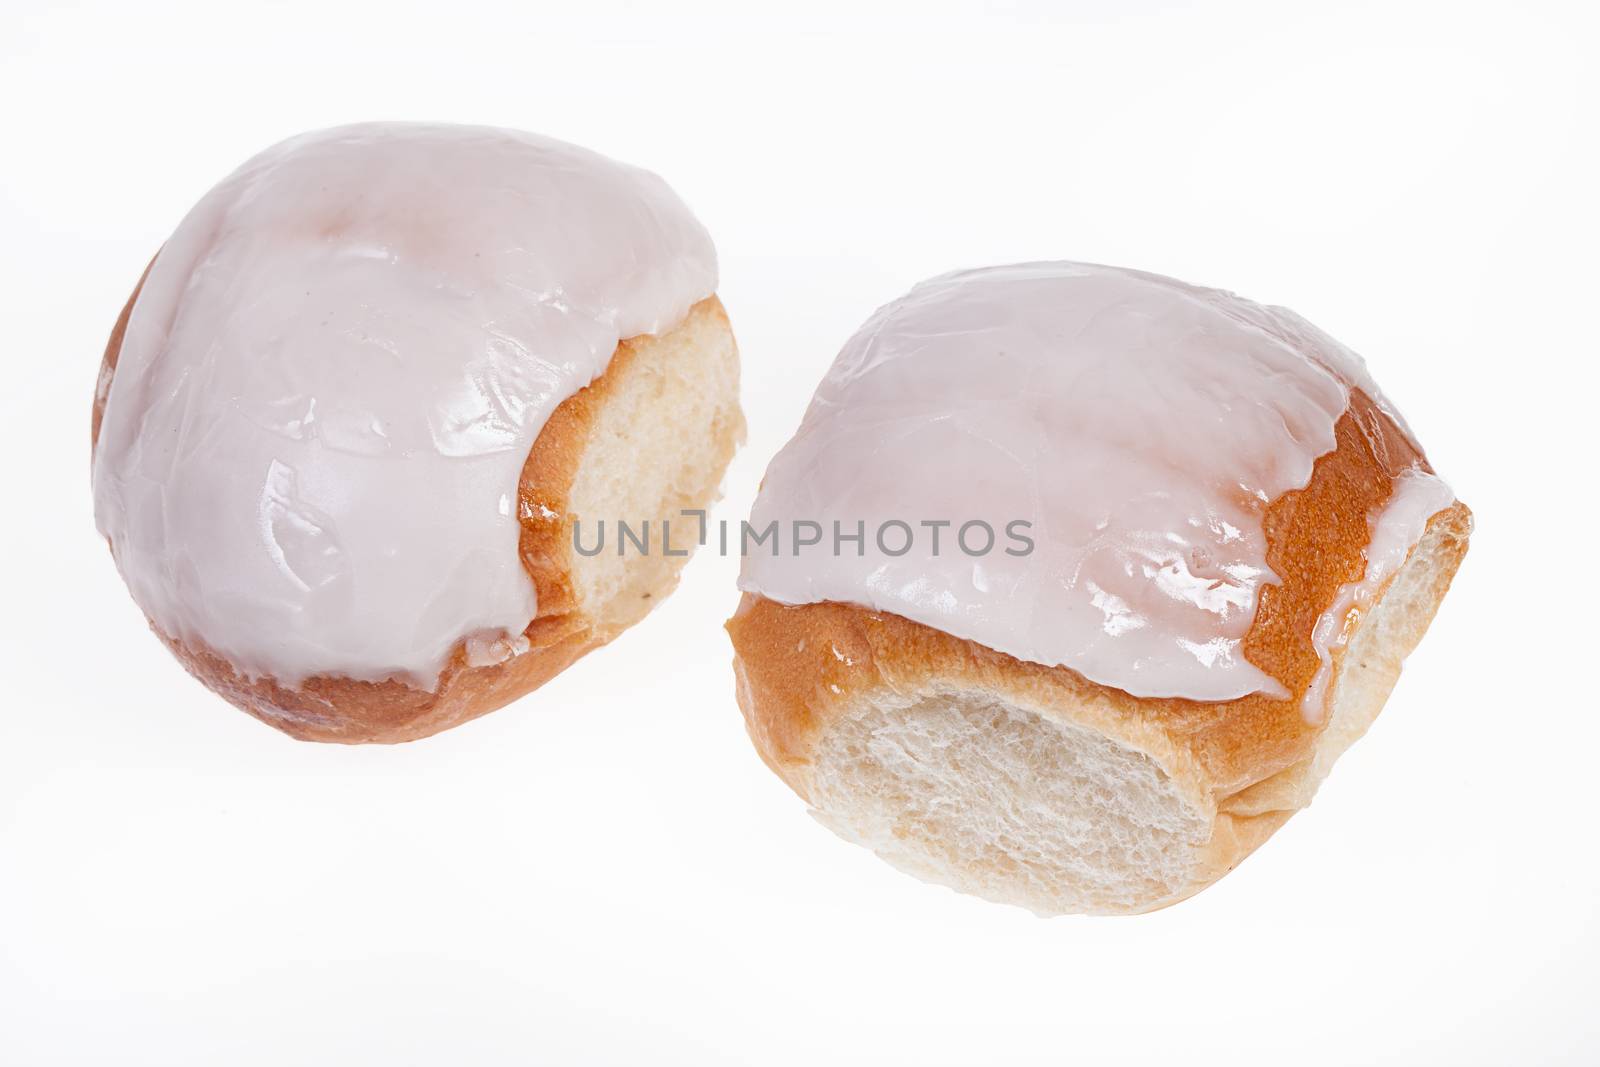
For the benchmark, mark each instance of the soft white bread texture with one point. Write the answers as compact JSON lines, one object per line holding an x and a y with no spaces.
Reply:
{"x":1031,"y":785}
{"x":648,"y":438}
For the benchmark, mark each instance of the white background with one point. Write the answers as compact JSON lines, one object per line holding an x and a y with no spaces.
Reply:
{"x":604,"y":872}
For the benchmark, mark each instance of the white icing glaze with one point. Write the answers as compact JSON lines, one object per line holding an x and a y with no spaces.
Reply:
{"x":1141,"y":425}
{"x":333,"y":375}
{"x":1396,"y":527}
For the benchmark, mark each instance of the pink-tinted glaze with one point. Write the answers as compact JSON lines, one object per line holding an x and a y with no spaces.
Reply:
{"x":1139,"y":424}
{"x":333,"y":375}
{"x":1396,"y":527}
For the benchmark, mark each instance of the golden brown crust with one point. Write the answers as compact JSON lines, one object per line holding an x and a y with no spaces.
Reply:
{"x":108,"y":361}
{"x":329,"y":708}
{"x":800,"y":667}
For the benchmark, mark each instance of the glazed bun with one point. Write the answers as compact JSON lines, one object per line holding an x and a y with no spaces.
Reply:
{"x":1226,"y":542}
{"x":349,"y":418}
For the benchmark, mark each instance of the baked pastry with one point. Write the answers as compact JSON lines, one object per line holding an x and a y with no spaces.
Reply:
{"x":1090,"y":575}
{"x":353,"y":411}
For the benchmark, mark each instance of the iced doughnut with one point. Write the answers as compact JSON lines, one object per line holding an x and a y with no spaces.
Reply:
{"x":1089,"y":577}
{"x":352,"y":411}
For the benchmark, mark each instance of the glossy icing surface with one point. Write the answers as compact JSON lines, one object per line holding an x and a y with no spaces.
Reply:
{"x":1398,"y":525}
{"x":1140,"y":425}
{"x":333,"y":375}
